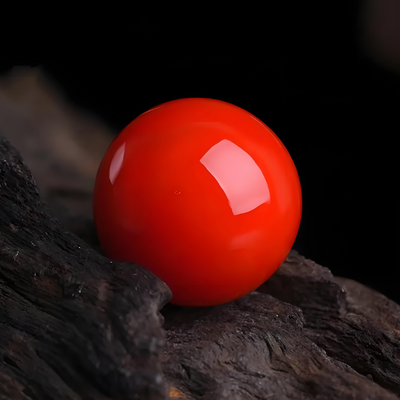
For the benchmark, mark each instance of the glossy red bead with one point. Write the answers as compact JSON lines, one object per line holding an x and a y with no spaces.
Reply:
{"x":203,"y":194}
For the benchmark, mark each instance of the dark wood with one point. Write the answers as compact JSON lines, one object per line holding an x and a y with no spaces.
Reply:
{"x":75,"y":325}
{"x":319,"y":337}
{"x":352,"y":322}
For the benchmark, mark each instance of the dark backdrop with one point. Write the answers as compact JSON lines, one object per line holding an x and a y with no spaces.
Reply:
{"x":301,"y":70}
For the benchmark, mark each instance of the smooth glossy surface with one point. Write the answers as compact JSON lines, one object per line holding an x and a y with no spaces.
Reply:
{"x":203,"y":194}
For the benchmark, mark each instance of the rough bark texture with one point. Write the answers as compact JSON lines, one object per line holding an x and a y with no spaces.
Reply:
{"x":353,"y":323}
{"x":75,"y":325}
{"x":261,"y":347}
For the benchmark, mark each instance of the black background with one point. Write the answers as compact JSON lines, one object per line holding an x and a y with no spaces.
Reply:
{"x":302,"y":71}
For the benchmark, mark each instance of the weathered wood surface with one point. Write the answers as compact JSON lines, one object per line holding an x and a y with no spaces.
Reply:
{"x":352,"y":322}
{"x":75,"y":325}
{"x":319,"y":337}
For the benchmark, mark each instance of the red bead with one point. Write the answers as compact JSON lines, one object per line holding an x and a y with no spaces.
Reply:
{"x":203,"y":194}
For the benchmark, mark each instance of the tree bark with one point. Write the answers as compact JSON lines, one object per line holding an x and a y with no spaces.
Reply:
{"x":76,"y":325}
{"x":73,"y":324}
{"x":302,"y":335}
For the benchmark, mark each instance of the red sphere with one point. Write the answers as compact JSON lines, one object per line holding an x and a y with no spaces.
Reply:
{"x":203,"y":194}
